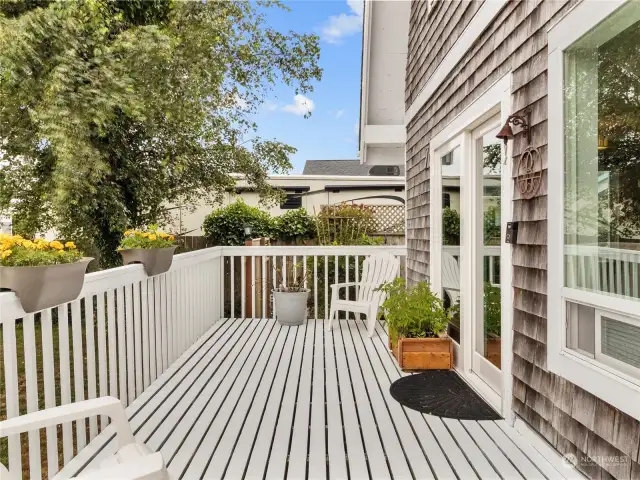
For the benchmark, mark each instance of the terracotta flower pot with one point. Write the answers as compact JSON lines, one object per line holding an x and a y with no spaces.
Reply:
{"x":155,"y":260}
{"x":44,"y":287}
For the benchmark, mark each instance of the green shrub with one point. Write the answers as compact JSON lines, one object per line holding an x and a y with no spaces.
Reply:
{"x":345,"y":223}
{"x":450,"y":227}
{"x":225,"y":226}
{"x":412,"y":312}
{"x":294,"y":224}
{"x":492,"y":310}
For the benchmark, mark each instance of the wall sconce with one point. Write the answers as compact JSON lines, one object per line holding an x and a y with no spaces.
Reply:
{"x":506,"y":133}
{"x":247,"y":231}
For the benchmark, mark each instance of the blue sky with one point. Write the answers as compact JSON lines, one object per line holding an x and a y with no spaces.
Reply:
{"x":331,"y":131}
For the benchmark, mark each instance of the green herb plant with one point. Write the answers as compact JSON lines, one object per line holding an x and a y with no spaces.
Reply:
{"x":412,"y":312}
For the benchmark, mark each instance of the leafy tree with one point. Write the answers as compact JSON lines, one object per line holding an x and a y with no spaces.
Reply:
{"x":225,"y":226}
{"x":492,"y":225}
{"x":112,"y":110}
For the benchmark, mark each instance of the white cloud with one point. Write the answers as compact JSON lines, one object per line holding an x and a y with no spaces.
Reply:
{"x":301,"y":106}
{"x":270,"y":106}
{"x":339,"y":113}
{"x":345,"y":24}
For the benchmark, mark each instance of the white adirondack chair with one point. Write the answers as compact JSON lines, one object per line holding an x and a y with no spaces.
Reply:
{"x":133,"y":461}
{"x":451,"y":277}
{"x":376,"y":270}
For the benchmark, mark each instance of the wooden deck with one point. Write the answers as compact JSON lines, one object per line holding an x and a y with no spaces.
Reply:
{"x":255,"y":400}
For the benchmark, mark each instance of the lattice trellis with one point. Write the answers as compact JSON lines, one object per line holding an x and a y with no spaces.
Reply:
{"x":388,"y":218}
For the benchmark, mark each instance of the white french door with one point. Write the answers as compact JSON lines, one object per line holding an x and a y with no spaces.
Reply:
{"x":470,"y":269}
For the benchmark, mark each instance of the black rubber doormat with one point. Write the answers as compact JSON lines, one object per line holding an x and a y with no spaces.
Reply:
{"x":442,"y":393}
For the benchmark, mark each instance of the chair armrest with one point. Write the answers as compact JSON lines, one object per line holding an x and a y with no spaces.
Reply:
{"x":338,"y":286}
{"x":109,"y":406}
{"x":149,"y":467}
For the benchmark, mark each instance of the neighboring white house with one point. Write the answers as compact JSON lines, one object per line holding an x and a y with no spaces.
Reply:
{"x":323,"y":182}
{"x":384,"y":60}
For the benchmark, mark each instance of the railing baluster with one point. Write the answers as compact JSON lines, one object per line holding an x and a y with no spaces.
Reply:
{"x":130,"y":355}
{"x":253,"y":286}
{"x":102,"y":352}
{"x":144,"y":321}
{"x":113,"y":345}
{"x":138,"y":339}
{"x":78,"y":369}
{"x":31,"y":380}
{"x":11,"y":388}
{"x":49,"y":382}
{"x":263,"y":280}
{"x":274,"y":283}
{"x":315,"y":287}
{"x":161,"y":306}
{"x":243,"y":287}
{"x":122,"y":345}
{"x":154,"y":345}
{"x":232,"y":261}
{"x":91,"y":360}
{"x":326,"y":287}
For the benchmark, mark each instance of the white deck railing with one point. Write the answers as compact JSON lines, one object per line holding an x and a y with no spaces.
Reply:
{"x":126,"y":329}
{"x":116,"y":339}
{"x":605,"y":269}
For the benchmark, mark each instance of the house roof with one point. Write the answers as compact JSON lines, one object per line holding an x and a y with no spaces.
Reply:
{"x":339,"y":168}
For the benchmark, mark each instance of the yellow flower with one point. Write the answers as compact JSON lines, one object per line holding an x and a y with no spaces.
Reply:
{"x":162,"y":235}
{"x":171,"y":238}
{"x":6,"y":254}
{"x":70,"y":245}
{"x":127,"y":233}
{"x":145,"y":235}
{"x":57,"y":245}
{"x":152,"y":237}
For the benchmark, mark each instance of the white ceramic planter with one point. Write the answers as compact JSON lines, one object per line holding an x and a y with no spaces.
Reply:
{"x":46,"y":286}
{"x":291,"y":307}
{"x":155,"y":260}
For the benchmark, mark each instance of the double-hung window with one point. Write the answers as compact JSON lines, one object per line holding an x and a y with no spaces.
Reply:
{"x":594,"y":201}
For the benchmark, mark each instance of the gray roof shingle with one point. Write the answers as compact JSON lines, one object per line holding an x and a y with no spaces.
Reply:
{"x":338,"y":167}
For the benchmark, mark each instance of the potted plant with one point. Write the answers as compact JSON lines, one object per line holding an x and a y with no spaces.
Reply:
{"x":417,"y":322}
{"x":151,"y":247}
{"x":42,"y":274}
{"x":291,"y":301}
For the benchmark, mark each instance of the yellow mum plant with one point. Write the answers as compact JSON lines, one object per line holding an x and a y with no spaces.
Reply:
{"x":16,"y":251}
{"x":151,"y":237}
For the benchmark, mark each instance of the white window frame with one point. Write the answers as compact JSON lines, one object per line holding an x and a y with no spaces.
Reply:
{"x":598,"y":378}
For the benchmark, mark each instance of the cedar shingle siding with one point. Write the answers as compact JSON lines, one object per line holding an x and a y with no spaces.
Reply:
{"x":572,"y":420}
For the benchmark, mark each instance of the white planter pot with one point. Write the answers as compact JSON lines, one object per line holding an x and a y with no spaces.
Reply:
{"x":291,"y":307}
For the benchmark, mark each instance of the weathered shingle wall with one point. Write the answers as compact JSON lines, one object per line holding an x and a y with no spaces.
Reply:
{"x":572,"y":420}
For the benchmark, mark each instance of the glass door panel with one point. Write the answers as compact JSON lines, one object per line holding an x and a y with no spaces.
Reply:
{"x":452,"y":238}
{"x":489,"y":322}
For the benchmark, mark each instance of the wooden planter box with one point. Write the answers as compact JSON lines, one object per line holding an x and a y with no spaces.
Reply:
{"x":423,"y":353}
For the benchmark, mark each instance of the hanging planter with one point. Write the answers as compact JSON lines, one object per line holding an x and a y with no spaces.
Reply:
{"x":152,"y":248}
{"x":42,"y":274}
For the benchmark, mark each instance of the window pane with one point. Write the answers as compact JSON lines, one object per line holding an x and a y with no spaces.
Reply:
{"x":602,"y":157}
{"x":581,"y":321}
{"x":621,"y":340}
{"x":451,"y":239}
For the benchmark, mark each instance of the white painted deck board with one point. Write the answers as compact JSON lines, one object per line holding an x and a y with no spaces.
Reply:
{"x":248,"y":400}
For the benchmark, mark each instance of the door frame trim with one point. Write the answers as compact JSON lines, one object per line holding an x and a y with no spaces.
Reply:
{"x":496,"y":99}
